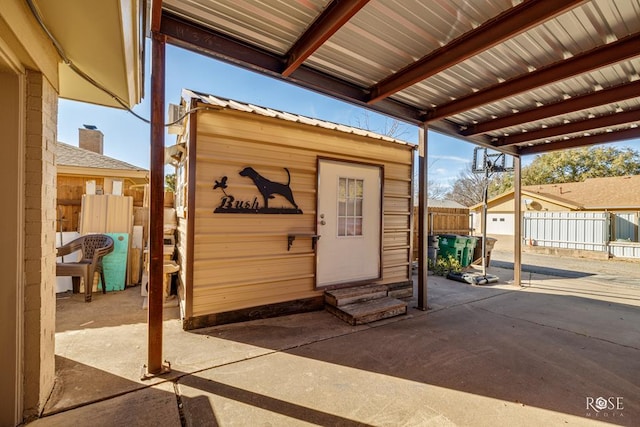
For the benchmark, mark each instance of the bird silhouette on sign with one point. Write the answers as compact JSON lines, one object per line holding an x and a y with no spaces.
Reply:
{"x":222,"y":184}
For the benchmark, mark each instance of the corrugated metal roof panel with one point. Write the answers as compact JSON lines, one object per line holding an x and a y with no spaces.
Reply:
{"x":387,"y":35}
{"x":272,"y":25}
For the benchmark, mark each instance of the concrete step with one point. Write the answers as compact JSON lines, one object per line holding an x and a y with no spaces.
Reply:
{"x":340,"y":297}
{"x":369,"y":311}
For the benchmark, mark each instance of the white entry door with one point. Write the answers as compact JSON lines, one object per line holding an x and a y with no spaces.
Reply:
{"x":349,"y":222}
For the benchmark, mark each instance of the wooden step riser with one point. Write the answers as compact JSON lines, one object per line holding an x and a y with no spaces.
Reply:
{"x":370,"y":311}
{"x":365,"y":319}
{"x":339,"y":302}
{"x":340,"y":297}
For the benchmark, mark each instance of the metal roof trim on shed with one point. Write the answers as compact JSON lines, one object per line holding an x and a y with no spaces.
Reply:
{"x":188,"y":94}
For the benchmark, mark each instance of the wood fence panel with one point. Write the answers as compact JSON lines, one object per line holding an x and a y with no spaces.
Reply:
{"x":442,"y":221}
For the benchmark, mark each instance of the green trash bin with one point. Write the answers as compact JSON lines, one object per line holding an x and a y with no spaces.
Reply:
{"x":453,"y":245}
{"x":467,"y":252}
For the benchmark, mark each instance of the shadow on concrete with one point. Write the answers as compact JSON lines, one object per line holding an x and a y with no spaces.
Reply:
{"x":134,"y":404}
{"x":535,"y":349}
{"x":538,"y":269}
{"x":199,"y":412}
{"x":92,"y":394}
{"x":78,"y":384}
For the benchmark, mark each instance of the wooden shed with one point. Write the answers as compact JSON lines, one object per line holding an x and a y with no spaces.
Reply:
{"x":275,"y":208}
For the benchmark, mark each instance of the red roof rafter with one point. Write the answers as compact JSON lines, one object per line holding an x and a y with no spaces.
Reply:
{"x":614,"y":119}
{"x":331,"y":20}
{"x":511,"y":22}
{"x":577,"y":103}
{"x":588,"y":61}
{"x":582,"y":141}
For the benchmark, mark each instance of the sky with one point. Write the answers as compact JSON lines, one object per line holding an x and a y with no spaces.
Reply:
{"x":127,"y":138}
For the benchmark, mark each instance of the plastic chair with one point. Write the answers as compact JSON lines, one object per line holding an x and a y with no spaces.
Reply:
{"x":93,"y":247}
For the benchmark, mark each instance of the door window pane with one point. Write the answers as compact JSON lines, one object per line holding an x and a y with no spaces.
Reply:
{"x":350,"y":196}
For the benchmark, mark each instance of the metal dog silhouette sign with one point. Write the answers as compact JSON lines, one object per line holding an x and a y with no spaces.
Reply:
{"x":267,"y":190}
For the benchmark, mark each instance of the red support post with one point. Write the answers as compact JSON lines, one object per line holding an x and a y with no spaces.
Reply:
{"x":156,"y":220}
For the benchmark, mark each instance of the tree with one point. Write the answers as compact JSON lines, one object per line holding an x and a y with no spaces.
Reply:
{"x":501,"y":183}
{"x":390,"y":127}
{"x":170,"y":182}
{"x":581,"y":163}
{"x":468,"y":188}
{"x":436,"y":191}
{"x":395,"y":129}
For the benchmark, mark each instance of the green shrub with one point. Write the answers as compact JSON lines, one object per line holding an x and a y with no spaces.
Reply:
{"x":443,"y":265}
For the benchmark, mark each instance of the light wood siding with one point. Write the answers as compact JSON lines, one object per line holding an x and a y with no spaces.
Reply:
{"x":70,"y":189}
{"x":241,"y":260}
{"x":181,"y":250}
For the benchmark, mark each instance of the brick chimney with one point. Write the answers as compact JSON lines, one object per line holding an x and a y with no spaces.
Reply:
{"x":90,"y":138}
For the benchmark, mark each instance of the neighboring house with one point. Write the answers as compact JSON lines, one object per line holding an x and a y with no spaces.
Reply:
{"x":596,"y":215}
{"x":619,"y":196}
{"x":86,"y":166}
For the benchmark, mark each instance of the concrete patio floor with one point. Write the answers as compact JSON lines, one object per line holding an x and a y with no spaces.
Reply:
{"x":487,"y":356}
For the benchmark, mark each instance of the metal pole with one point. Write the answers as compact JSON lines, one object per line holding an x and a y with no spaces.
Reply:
{"x":156,"y":220}
{"x":517,"y":224}
{"x":422,"y":218}
{"x":485,"y":196}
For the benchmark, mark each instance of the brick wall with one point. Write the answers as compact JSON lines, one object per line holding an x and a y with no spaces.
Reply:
{"x":40,"y":218}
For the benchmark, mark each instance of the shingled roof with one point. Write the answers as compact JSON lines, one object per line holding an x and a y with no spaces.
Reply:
{"x":69,"y":155}
{"x":616,"y":192}
{"x":594,"y":193}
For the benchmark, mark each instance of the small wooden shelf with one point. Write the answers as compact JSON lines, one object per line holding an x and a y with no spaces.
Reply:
{"x":291,"y":237}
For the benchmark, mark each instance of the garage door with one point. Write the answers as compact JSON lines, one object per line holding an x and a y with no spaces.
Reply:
{"x":498,"y":223}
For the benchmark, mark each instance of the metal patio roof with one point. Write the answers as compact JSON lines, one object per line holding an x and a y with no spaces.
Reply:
{"x":520,"y":76}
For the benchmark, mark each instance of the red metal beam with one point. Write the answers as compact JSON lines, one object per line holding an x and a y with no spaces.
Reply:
{"x":577,"y":103}
{"x":156,"y":15}
{"x":331,"y":20}
{"x":214,"y":44}
{"x":614,"y":119}
{"x":582,"y":141}
{"x":596,"y":58}
{"x":514,"y":21}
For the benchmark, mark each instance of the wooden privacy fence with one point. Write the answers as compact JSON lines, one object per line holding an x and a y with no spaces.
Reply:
{"x":442,"y":221}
